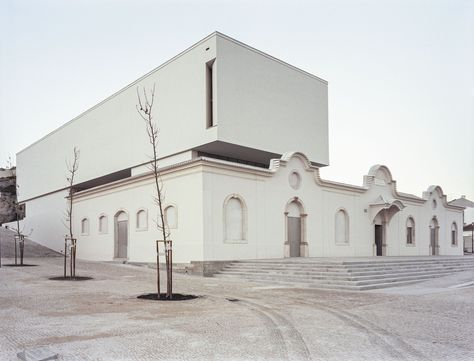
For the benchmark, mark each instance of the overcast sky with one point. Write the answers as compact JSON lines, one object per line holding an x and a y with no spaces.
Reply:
{"x":400,"y":73}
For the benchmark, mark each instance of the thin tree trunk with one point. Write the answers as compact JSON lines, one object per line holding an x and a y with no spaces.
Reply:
{"x":65,"y":257}
{"x":171,"y":270}
{"x":158,"y":270}
{"x":72,"y":169}
{"x":145,"y":110}
{"x":16,"y":261}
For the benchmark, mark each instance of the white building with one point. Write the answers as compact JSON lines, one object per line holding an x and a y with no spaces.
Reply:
{"x":242,"y":138}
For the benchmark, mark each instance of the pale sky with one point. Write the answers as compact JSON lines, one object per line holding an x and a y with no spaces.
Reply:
{"x":400,"y":73}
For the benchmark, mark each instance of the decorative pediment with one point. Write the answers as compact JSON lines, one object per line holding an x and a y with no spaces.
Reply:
{"x":286,"y":157}
{"x":378,"y":175}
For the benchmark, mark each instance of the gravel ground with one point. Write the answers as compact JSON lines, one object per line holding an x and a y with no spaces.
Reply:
{"x":102,"y":319}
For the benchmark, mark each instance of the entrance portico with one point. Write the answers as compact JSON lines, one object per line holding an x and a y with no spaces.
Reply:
{"x":295,"y":229}
{"x":382,"y":211}
{"x":434,"y":237}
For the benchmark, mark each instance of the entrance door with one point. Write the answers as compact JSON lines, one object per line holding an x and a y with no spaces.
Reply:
{"x":434,"y":247}
{"x":378,"y":239}
{"x":434,"y":237}
{"x":294,"y":235}
{"x":121,"y":235}
{"x":122,"y":238}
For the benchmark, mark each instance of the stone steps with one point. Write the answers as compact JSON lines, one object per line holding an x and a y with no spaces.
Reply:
{"x":346,"y":268}
{"x":340,"y":281}
{"x":345,"y":274}
{"x":343,"y":269}
{"x":359,"y":265}
{"x":352,"y":276}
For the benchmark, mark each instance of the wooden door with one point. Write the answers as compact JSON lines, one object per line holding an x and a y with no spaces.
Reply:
{"x":122,"y":239}
{"x":294,"y":235}
{"x":378,"y":239}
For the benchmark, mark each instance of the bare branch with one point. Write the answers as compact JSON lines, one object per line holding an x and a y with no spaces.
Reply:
{"x":145,"y":110}
{"x":72,"y":168}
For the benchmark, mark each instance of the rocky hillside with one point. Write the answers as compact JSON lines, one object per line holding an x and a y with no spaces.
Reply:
{"x":7,"y":197}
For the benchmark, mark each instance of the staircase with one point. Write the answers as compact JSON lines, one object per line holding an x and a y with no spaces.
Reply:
{"x":349,"y":273}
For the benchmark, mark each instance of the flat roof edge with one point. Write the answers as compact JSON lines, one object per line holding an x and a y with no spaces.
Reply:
{"x":255,"y":50}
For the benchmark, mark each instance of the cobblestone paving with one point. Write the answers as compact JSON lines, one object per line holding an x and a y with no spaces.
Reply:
{"x":101,"y":319}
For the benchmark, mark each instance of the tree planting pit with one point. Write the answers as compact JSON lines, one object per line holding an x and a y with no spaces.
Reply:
{"x":176,"y":297}
{"x":19,"y":265}
{"x":77,"y":278}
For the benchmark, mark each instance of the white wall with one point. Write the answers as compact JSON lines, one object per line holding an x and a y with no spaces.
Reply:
{"x":111,"y":136}
{"x":45,"y":221}
{"x":199,"y":189}
{"x":182,"y":190}
{"x":265,"y":104}
{"x":267,"y":195}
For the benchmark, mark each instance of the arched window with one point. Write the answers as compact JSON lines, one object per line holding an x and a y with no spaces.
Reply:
{"x":142,"y":220}
{"x":171,"y":216}
{"x":342,"y":227}
{"x":410,"y":230}
{"x":454,"y":234}
{"x":103,"y":224}
{"x":235,"y":219}
{"x":85,"y":227}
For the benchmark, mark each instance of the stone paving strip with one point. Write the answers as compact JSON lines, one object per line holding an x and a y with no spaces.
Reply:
{"x":102,"y":319}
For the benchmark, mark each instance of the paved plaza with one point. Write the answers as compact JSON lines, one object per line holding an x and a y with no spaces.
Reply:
{"x":102,"y":319}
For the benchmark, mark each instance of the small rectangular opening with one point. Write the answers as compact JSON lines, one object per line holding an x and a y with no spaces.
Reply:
{"x":210,"y":119}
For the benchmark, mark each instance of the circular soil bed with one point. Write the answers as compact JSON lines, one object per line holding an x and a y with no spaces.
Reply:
{"x":19,"y":265}
{"x":176,"y":297}
{"x":77,"y":278}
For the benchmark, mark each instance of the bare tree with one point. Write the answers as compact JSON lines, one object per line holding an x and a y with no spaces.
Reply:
{"x":145,"y":110}
{"x":72,"y":167}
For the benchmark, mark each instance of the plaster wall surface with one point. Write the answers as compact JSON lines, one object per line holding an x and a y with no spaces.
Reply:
{"x":200,"y":190}
{"x":266,"y":198}
{"x":111,"y":136}
{"x":183,"y":191}
{"x":45,"y":220}
{"x":263,"y":103}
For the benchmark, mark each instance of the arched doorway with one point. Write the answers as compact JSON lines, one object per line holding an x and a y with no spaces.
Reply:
{"x":434,"y":237}
{"x":121,"y":235}
{"x":379,"y":234}
{"x":295,"y":229}
{"x":383,"y":210}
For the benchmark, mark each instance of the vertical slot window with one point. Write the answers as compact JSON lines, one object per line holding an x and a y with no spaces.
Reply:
{"x":210,"y":101}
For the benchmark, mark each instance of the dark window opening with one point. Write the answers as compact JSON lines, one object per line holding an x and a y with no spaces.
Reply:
{"x":409,"y":235}
{"x":209,"y":94}
{"x":233,"y":160}
{"x":109,"y":178}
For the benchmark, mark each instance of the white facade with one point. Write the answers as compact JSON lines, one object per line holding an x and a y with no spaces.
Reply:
{"x":201,"y":189}
{"x":229,"y":118}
